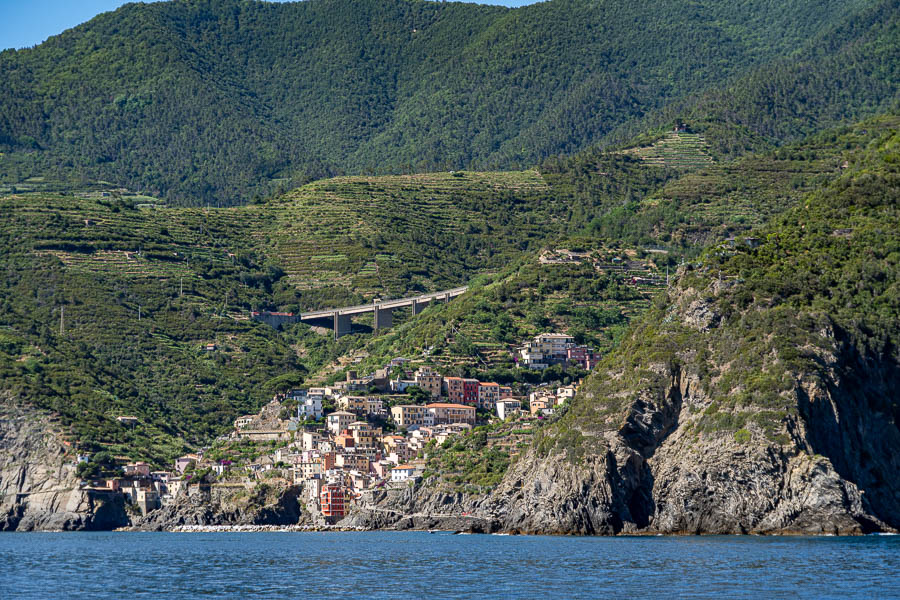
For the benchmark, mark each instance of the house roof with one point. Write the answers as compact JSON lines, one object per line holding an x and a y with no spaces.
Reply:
{"x":447,"y":405}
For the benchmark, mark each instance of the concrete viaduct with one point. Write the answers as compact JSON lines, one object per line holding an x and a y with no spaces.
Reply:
{"x":383,"y":309}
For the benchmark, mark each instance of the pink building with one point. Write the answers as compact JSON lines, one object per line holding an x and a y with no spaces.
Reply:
{"x":455,"y":389}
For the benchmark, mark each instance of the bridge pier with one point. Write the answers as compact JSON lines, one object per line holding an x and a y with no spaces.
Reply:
{"x":342,"y":325}
{"x":384,"y":318}
{"x":417,"y":307}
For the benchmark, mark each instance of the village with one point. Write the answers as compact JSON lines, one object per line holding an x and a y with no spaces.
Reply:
{"x":364,"y":433}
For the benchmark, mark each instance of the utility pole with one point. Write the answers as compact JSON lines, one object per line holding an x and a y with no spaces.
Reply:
{"x":139,"y":312}
{"x":181,"y":291}
{"x":62,"y":312}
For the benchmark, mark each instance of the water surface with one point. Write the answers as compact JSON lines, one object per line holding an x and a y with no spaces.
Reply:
{"x":420,"y":565}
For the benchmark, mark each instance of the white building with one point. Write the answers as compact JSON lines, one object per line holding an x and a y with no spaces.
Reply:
{"x":545,"y":350}
{"x":309,"y":403}
{"x":309,"y":440}
{"x":565,"y":393}
{"x":400,"y":385}
{"x":339,"y":421}
{"x":311,"y":407}
{"x":505,"y":408}
{"x":402,"y":473}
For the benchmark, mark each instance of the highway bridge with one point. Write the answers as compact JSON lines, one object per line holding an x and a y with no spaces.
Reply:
{"x":342,"y":317}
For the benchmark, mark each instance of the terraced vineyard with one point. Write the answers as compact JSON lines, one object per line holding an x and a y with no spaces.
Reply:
{"x":391,"y":232}
{"x":720,"y":200}
{"x":112,"y":238}
{"x":677,"y":150}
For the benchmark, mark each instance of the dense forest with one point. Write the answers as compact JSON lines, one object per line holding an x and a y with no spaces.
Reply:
{"x":218,"y":102}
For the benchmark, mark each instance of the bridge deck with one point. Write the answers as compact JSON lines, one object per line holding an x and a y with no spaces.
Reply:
{"x":384,"y":305}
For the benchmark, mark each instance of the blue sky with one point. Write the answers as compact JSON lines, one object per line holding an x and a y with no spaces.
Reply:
{"x":29,"y":22}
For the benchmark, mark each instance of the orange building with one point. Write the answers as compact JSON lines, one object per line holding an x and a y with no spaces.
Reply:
{"x":334,"y":501}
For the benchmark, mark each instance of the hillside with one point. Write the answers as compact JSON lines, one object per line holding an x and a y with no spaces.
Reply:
{"x":630,"y":196}
{"x":757,"y":395}
{"x":109,"y":302}
{"x":846,"y":71}
{"x":218,"y":102}
{"x":143,"y":287}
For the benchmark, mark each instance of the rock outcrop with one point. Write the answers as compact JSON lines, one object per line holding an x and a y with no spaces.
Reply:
{"x":38,"y":487}
{"x":223,"y":505}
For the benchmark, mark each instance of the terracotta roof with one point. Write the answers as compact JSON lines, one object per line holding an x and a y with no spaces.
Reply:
{"x":447,"y":405}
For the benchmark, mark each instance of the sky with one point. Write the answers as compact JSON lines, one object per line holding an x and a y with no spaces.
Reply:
{"x":25,"y":23}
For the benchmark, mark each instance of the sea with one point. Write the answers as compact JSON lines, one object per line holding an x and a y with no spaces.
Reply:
{"x":364,"y":565}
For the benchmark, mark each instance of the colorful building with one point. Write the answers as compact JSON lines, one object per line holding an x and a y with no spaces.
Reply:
{"x":334,"y":502}
{"x":339,"y":421}
{"x":410,"y":415}
{"x":488,"y":395}
{"x":451,"y":413}
{"x":429,"y":380}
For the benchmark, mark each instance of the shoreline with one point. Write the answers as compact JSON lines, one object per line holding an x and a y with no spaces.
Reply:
{"x":339,"y":529}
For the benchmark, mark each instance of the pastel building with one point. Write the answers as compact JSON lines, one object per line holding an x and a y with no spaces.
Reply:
{"x":429,"y":380}
{"x":339,"y":421}
{"x":411,"y":416}
{"x":451,"y":413}
{"x":488,"y":395}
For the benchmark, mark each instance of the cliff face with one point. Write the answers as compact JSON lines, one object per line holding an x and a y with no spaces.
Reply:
{"x":829,"y":468}
{"x":38,"y":488}
{"x":262,"y":505}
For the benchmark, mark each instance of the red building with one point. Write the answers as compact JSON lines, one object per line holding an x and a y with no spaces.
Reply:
{"x":583,"y":356}
{"x":470,"y":391}
{"x":462,"y":391}
{"x":334,"y":502}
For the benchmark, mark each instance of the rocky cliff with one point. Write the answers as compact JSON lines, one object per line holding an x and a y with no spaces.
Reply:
{"x":38,"y":488}
{"x":229,"y":505}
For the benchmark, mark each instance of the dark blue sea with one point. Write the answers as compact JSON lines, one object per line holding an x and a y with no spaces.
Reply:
{"x":422,"y":565}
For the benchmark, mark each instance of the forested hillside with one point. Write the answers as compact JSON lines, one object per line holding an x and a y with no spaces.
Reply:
{"x":204,"y":102}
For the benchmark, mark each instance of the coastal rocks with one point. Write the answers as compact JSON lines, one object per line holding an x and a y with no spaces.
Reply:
{"x":38,"y":487}
{"x":228,"y":506}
